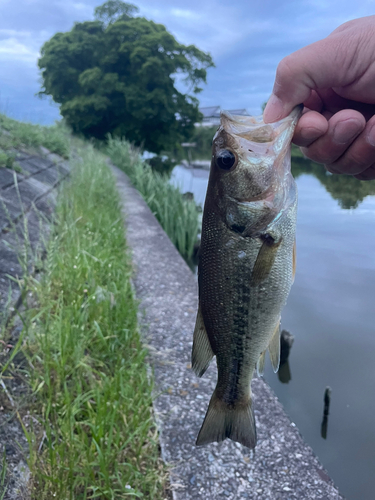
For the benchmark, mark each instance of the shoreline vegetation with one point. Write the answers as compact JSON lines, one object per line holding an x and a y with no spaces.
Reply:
{"x":177,"y":215}
{"x":87,"y":410}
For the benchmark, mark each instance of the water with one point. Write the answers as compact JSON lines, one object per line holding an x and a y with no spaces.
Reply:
{"x":331,"y":314}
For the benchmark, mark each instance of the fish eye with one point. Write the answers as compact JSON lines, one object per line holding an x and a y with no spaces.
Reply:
{"x":225,"y":159}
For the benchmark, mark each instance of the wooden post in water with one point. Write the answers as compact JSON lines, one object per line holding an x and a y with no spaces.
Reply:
{"x":327,"y":402}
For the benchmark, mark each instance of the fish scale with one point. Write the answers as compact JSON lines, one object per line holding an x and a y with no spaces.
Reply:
{"x":247,"y":260}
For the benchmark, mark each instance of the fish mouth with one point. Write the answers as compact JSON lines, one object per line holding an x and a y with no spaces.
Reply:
{"x":255,"y":130}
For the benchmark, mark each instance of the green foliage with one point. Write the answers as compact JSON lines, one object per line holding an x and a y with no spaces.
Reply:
{"x":202,"y":136}
{"x":114,"y":9}
{"x":55,"y":138}
{"x":6,"y":159}
{"x":91,"y":389}
{"x":117,"y":75}
{"x":177,"y":216}
{"x":162,"y":165}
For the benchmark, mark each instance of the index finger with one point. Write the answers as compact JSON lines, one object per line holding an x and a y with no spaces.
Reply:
{"x":316,"y":66}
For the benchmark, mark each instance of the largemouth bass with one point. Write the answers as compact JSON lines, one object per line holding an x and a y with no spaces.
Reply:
{"x":247,"y":265}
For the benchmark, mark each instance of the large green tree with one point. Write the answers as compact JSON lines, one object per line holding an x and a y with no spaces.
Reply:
{"x":118,"y":75}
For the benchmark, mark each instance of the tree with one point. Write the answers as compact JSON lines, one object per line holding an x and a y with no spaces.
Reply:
{"x":117,"y":74}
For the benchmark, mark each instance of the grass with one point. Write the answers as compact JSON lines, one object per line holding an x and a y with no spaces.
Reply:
{"x":3,"y":473}
{"x":177,"y":215}
{"x":91,"y":392}
{"x":54,"y":138}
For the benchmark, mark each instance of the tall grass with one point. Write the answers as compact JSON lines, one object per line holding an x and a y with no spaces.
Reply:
{"x":177,"y":216}
{"x":91,"y":391}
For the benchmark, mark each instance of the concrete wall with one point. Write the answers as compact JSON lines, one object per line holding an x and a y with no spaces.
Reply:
{"x":27,"y":200}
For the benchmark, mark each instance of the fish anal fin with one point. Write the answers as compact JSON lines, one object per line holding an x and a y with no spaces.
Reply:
{"x":294,"y":259}
{"x":222,"y":421}
{"x":265,"y":259}
{"x":274,"y":348}
{"x":260,"y":364}
{"x":202,"y":353}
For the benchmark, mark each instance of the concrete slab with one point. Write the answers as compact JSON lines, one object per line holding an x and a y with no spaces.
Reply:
{"x":28,"y":166}
{"x":6,"y":177}
{"x":40,"y":163}
{"x":10,"y":209}
{"x":63,"y":168}
{"x":282,"y":467}
{"x":48,"y":176}
{"x":28,"y":191}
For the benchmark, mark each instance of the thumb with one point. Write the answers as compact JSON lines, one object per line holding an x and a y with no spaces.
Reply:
{"x":316,"y":66}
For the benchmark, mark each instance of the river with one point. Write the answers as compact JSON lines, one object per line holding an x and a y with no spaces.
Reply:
{"x":331,"y":314}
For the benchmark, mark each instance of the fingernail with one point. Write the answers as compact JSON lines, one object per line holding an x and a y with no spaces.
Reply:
{"x":274,"y":110}
{"x":370,"y":138}
{"x":346,"y":131}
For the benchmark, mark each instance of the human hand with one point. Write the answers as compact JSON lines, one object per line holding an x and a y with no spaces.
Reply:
{"x":335,"y":80}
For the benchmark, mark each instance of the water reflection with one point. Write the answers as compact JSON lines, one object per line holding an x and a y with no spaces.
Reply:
{"x":284,"y":374}
{"x":286,"y":342}
{"x":347,"y":190}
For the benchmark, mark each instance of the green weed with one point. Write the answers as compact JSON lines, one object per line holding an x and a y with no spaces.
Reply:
{"x":3,"y":473}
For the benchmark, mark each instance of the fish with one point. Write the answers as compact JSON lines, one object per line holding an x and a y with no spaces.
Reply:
{"x":246,"y":267}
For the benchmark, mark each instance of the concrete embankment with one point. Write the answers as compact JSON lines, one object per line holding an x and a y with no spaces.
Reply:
{"x":27,"y":202}
{"x":282,"y":467}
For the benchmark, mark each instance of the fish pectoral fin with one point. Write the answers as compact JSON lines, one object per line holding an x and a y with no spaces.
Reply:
{"x":266,"y":258}
{"x":202,"y":352}
{"x":260,"y":364}
{"x":274,"y":348}
{"x":235,"y":422}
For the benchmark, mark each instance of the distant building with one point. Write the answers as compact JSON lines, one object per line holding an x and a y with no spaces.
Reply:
{"x":211,"y":115}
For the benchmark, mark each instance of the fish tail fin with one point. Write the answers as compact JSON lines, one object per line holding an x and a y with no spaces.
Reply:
{"x":223,"y":421}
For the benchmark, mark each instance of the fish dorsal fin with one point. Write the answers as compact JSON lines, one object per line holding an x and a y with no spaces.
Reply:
{"x":202,"y":351}
{"x":266,"y":258}
{"x":294,"y":260}
{"x":260,"y":364}
{"x":274,"y":348}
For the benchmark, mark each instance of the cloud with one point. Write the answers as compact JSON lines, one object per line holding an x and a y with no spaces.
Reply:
{"x":13,"y":49}
{"x":185,"y":14}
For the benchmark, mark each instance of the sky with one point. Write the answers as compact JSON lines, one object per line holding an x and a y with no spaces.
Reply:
{"x":247,"y":40}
